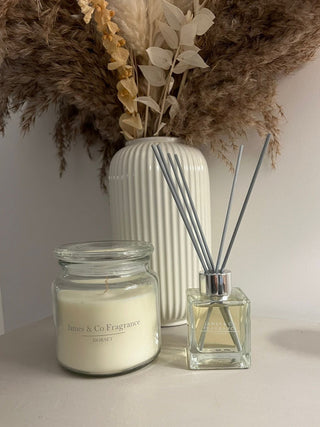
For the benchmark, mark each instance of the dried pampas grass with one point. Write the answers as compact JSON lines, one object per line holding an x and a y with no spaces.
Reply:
{"x":130,"y":15}
{"x":137,"y":20}
{"x":251,"y":45}
{"x":48,"y":55}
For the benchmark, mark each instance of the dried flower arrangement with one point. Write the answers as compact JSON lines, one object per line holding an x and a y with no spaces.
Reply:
{"x":132,"y":68}
{"x":158,"y":65}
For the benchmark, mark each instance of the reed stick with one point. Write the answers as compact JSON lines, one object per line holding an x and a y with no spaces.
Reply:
{"x":234,"y":181}
{"x":227,"y":317}
{"x":192,"y":212}
{"x":166,"y":173}
{"x":245,"y":203}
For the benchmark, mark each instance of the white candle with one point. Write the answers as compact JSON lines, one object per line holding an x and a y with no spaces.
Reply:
{"x":106,"y":332}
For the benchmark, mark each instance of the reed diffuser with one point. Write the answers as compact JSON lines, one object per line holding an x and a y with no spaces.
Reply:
{"x":218,"y":315}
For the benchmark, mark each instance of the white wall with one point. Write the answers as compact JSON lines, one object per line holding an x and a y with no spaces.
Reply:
{"x":39,"y":211}
{"x":275,"y":258}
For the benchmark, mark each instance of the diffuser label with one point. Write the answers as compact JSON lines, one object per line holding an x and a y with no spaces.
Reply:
{"x":221,"y":327}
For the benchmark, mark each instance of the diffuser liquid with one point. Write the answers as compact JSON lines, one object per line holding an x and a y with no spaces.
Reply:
{"x":219,"y":331}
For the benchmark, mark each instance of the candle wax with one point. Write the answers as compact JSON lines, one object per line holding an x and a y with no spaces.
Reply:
{"x":106,"y":332}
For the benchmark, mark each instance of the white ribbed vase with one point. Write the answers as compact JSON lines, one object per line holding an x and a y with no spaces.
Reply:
{"x":142,"y":208}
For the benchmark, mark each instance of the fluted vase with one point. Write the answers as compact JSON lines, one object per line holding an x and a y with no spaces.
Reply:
{"x":142,"y":208}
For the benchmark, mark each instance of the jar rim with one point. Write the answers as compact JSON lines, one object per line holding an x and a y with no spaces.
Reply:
{"x":104,"y":250}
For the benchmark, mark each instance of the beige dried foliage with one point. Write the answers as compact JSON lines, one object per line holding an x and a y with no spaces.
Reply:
{"x":114,"y":44}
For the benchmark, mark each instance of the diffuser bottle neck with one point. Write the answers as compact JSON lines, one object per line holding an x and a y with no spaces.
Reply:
{"x":215,"y":284}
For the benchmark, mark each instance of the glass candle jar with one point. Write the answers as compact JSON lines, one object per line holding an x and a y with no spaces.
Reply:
{"x":106,"y":307}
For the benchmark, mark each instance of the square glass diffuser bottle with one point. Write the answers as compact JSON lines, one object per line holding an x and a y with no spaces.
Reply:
{"x":218,"y":324}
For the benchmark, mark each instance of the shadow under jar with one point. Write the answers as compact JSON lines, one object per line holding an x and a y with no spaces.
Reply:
{"x":106,"y":307}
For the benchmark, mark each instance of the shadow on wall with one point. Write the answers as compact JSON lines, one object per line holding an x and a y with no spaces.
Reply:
{"x":298,"y":340}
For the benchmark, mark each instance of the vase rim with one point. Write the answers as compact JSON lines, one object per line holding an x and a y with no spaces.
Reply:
{"x":154,"y":139}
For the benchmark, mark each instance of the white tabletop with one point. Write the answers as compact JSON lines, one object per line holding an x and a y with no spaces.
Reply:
{"x":282,"y":388}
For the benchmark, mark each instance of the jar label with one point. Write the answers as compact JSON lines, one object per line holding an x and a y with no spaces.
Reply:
{"x":102,"y":332}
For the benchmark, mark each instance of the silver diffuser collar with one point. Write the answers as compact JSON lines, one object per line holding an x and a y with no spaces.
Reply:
{"x":215,"y":284}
